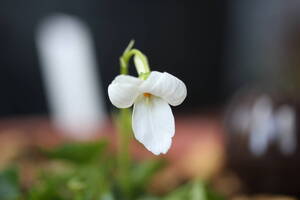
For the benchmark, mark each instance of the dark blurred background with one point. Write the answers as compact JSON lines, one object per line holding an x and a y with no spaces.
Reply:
{"x":215,"y":47}
{"x":184,"y":38}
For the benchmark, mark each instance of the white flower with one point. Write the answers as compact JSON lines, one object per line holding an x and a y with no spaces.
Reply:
{"x":152,"y":120}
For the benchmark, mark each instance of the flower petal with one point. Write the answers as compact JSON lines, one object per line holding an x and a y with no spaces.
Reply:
{"x":166,"y":86}
{"x":153,"y":123}
{"x":123,"y":90}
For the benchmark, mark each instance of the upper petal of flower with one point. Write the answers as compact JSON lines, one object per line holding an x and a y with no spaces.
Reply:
{"x":165,"y":86}
{"x":153,"y":123}
{"x":123,"y":90}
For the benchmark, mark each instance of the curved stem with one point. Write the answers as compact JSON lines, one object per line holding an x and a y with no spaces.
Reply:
{"x":140,"y":61}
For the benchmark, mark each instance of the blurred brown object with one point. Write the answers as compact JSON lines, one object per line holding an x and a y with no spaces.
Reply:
{"x":165,"y":181}
{"x":228,"y":184}
{"x":197,"y":152}
{"x":12,"y":144}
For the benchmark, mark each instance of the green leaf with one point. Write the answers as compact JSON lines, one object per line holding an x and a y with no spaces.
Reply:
{"x":77,"y":152}
{"x":149,"y":198}
{"x":9,"y":184}
{"x":144,"y":171}
{"x":49,"y":187}
{"x":196,"y":190}
{"x":107,"y":196}
{"x":95,"y":181}
{"x":90,"y":181}
{"x":178,"y":194}
{"x":212,"y":195}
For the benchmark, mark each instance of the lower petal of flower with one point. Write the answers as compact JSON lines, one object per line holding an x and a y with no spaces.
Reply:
{"x":153,"y":123}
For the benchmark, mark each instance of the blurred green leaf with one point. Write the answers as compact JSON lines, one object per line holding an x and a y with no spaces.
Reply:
{"x":197,"y":190}
{"x":149,"y":198}
{"x":144,"y":171}
{"x":212,"y":195}
{"x":77,"y":152}
{"x":84,"y":182}
{"x":50,"y":187}
{"x":178,"y":194}
{"x":9,"y":184}
{"x":95,"y":181}
{"x":107,"y":196}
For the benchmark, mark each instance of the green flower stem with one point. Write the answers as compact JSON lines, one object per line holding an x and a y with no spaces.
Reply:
{"x":124,"y":158}
{"x":125,"y":133}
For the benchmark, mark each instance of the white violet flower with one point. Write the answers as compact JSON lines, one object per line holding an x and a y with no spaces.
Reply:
{"x":152,"y":120}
